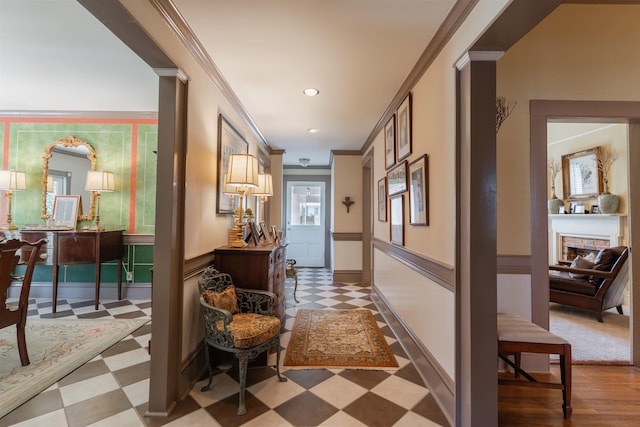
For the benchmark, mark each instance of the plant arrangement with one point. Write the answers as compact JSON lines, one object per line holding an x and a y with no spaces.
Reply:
{"x":554,"y":169}
{"x":604,"y":161}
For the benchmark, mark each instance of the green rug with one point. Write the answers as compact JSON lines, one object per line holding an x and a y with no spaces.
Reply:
{"x":56,"y":348}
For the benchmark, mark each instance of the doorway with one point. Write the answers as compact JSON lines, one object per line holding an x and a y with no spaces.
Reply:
{"x":582,"y":233}
{"x":306,"y":222}
{"x":541,"y":111}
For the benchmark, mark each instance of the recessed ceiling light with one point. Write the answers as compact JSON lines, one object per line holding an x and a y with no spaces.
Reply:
{"x":311,"y":91}
{"x":313,"y":130}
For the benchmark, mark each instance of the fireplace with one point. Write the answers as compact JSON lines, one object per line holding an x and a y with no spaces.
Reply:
{"x":581,"y":234}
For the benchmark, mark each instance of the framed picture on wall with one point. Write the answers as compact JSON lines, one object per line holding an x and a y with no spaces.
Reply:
{"x":581,"y":178}
{"x":404,"y":128}
{"x":397,"y":179}
{"x":397,"y":220}
{"x":390,"y":142}
{"x":419,"y":191}
{"x":229,"y":142}
{"x":382,"y":199}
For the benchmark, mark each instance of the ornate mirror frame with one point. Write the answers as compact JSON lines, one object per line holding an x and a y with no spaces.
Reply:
{"x":67,"y":141}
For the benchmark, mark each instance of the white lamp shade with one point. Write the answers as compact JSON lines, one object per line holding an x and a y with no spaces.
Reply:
{"x":100,"y":181}
{"x":12,"y":180}
{"x":243,"y":171}
{"x":265,"y":185}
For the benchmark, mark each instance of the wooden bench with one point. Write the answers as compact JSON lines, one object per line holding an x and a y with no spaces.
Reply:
{"x":517,"y":335}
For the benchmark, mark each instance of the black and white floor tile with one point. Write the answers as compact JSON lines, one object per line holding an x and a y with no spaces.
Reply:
{"x":112,"y":389}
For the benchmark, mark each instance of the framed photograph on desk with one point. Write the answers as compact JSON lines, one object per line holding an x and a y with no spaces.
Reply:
{"x":65,"y":211}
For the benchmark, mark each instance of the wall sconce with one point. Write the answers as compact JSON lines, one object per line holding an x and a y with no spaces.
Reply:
{"x":98,"y":182}
{"x":11,"y":181}
{"x":347,"y":202}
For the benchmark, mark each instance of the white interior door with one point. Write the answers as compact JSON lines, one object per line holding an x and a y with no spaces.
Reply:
{"x":306,"y":222}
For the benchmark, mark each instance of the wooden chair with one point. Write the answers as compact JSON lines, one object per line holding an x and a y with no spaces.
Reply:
{"x":239,"y":321}
{"x":12,"y":315}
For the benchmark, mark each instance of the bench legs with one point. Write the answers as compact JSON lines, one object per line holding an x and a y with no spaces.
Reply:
{"x":508,"y":348}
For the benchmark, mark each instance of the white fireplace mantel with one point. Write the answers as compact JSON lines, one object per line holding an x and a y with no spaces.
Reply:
{"x":597,"y":226}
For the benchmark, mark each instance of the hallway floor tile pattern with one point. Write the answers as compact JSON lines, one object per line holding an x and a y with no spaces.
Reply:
{"x":113,"y":388}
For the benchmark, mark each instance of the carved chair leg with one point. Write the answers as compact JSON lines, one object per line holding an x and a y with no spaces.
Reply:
{"x":242,"y":371}
{"x":280,"y":377}
{"x":208,"y":361}
{"x":619,"y":308}
{"x":22,"y":345}
{"x":295,"y":289}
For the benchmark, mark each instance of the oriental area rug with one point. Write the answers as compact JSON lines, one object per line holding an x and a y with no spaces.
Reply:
{"x":56,"y":347}
{"x":337,"y":339}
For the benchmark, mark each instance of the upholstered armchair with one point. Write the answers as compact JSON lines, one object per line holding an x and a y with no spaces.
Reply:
{"x":238,"y":321}
{"x":597,"y":286}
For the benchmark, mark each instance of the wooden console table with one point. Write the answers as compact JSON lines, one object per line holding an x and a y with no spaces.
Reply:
{"x":82,"y":247}
{"x":259,"y":267}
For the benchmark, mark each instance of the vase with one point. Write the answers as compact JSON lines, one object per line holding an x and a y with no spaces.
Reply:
{"x":608,"y":203}
{"x":553,"y":205}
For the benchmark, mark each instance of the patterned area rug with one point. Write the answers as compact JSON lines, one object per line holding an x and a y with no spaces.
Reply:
{"x":56,"y":347}
{"x":337,"y":339}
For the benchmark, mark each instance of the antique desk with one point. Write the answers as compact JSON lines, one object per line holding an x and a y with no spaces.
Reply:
{"x":259,"y":267}
{"x":80,"y":247}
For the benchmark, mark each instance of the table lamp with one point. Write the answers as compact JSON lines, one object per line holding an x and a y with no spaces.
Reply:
{"x":242,"y":174}
{"x":11,"y":181}
{"x":264,"y":190}
{"x":98,"y":182}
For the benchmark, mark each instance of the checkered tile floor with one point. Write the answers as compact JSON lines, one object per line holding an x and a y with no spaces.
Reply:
{"x":112,"y":389}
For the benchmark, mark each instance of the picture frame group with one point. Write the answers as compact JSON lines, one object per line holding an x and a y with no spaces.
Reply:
{"x":398,"y":134}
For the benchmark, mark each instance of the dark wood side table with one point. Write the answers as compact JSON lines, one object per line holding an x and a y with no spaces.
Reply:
{"x":79,"y":247}
{"x":259,"y":267}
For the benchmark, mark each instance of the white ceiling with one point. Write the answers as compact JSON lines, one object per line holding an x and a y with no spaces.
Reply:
{"x":356,"y":52}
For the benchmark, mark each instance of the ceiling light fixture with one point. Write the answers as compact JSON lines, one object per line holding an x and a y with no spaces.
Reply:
{"x":311,"y":91}
{"x":304,"y":161}
{"x":313,"y":130}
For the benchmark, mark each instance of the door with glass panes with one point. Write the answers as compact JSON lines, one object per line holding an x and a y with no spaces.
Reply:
{"x":306,"y":222}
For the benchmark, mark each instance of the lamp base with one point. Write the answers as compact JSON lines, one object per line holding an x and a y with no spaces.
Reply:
{"x":95,"y":227}
{"x":8,"y":227}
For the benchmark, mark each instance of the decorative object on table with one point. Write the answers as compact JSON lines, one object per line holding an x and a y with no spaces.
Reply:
{"x":265,"y":235}
{"x":595,"y":209}
{"x":347,"y":202}
{"x":16,"y":314}
{"x":403,"y":138}
{"x":337,"y":339}
{"x":242,"y":175}
{"x":581,"y":178}
{"x":504,"y":107}
{"x":56,"y":348}
{"x":608,"y":202}
{"x":419,"y":191}
{"x":390,"y":143}
{"x":242,"y":322}
{"x":229,"y":142}
{"x":99,"y":182}
{"x":382,"y":199}
{"x":65,"y":212}
{"x":554,"y":203}
{"x":397,"y":220}
{"x":397,"y":179}
{"x":291,"y":272}
{"x":11,"y":181}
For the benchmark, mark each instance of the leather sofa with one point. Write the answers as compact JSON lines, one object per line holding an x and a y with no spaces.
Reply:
{"x":596,"y":289}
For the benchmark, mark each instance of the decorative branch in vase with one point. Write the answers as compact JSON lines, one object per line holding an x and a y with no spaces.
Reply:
{"x":553,"y":204}
{"x":607,"y":202}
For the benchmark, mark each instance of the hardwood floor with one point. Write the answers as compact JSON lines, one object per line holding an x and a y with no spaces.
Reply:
{"x":601,"y":396}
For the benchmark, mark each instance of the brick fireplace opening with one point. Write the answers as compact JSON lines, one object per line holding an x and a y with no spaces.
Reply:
{"x":572,"y":246}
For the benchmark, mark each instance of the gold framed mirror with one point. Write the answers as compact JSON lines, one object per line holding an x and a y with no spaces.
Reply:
{"x":64,"y":169}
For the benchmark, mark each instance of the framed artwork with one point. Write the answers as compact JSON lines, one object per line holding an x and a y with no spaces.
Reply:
{"x":265,"y":236}
{"x":254,"y":233}
{"x":397,"y":220}
{"x":404,"y":128}
{"x":397,"y":179}
{"x":581,"y":178}
{"x":382,"y":199}
{"x":65,"y":211}
{"x":229,"y":142}
{"x":390,"y":142}
{"x":419,"y":191}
